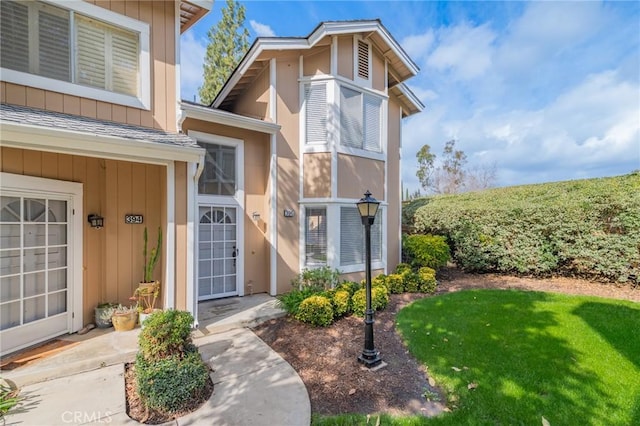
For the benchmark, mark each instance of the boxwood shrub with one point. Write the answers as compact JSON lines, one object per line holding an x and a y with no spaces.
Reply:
{"x":379,"y":300}
{"x":395,"y":283}
{"x":316,"y":310}
{"x":341,"y":300}
{"x":426,"y":250}
{"x":165,"y":334}
{"x":588,"y":228}
{"x":427,"y":280}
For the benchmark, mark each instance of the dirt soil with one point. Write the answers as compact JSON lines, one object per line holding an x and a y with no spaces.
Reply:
{"x":326,"y":358}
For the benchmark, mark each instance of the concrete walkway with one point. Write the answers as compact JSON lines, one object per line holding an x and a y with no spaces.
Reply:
{"x":253,"y":385}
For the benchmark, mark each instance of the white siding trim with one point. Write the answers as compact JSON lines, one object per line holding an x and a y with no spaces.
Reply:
{"x":273,"y":187}
{"x":170,"y":235}
{"x":334,"y":55}
{"x":192,"y":304}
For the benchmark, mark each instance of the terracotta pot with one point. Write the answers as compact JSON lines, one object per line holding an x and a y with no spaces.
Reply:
{"x":125,"y":322}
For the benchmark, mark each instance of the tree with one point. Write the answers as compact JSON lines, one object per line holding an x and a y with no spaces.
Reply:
{"x":228,"y":42}
{"x":450,"y":177}
{"x":425,"y":166}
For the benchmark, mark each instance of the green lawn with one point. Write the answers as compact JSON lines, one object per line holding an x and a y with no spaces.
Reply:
{"x":573,"y":360}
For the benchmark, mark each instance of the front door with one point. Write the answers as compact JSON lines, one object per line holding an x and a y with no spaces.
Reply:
{"x":217,"y":252}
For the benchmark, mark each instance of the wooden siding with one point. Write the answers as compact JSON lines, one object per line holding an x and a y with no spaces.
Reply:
{"x":160,"y":15}
{"x":317,"y":61}
{"x":254,"y":101}
{"x":317,"y":175}
{"x":358,"y":174}
{"x":393,"y":184}
{"x":377,"y":71}
{"x":256,"y":247}
{"x":345,"y":56}
{"x":112,"y":256}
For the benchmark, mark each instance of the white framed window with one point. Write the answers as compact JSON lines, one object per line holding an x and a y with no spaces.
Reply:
{"x":315,"y":113}
{"x":360,"y":120}
{"x":315,"y":236}
{"x":352,"y":244}
{"x":76,"y":48}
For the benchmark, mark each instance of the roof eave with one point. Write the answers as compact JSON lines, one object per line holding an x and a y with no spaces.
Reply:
{"x":204,"y":113}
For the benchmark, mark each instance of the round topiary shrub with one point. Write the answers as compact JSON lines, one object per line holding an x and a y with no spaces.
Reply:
{"x":166,"y":333}
{"x":316,"y":310}
{"x":402,"y":268}
{"x":341,"y":302}
{"x":411,"y":282}
{"x":359,"y":302}
{"x":379,"y":298}
{"x":395,"y":283}
{"x":170,"y":384}
{"x":426,"y":250}
{"x":349,"y":286}
{"x":428,"y":281}
{"x":379,"y":280}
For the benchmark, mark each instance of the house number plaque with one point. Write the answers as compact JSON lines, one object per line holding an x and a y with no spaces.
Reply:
{"x":133,"y":219}
{"x":289,"y":213}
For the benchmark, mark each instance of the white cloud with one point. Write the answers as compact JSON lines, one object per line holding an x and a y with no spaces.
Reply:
{"x":261,"y":30}
{"x":418,"y":46}
{"x":192,"y":53}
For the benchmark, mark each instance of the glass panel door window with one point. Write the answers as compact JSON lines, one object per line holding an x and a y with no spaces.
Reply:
{"x":33,"y":259}
{"x":217,"y":252}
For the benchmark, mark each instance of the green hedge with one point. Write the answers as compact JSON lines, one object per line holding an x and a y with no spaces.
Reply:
{"x":588,"y":228}
{"x":426,"y":250}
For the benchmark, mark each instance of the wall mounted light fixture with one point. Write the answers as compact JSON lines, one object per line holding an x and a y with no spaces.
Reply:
{"x":96,"y":221}
{"x":255,"y":216}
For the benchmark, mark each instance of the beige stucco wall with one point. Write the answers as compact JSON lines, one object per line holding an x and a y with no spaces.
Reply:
{"x":112,"y":256}
{"x":288,"y":171}
{"x":357,"y":174}
{"x":317,"y":175}
{"x":393,"y":185}
{"x":160,"y":15}
{"x":256,"y":246}
{"x":317,"y":61}
{"x":378,"y":78}
{"x":254,"y":100}
{"x":345,"y":56}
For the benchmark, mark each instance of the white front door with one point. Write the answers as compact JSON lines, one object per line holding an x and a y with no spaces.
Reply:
{"x":217,"y":252}
{"x":36,"y":267}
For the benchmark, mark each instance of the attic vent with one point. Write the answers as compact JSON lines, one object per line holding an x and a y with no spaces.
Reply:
{"x":363,"y":60}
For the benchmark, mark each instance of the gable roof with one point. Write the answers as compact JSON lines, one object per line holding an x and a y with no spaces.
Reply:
{"x":399,"y":61}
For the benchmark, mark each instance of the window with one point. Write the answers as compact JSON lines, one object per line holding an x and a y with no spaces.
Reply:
{"x":352,"y":244}
{"x":360,"y":120}
{"x":219,"y":175}
{"x":75,"y":44}
{"x":315,"y":109}
{"x":315,"y":235}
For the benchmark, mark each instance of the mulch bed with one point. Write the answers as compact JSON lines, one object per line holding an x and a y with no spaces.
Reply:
{"x":326,"y":358}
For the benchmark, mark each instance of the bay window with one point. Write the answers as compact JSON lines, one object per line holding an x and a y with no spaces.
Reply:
{"x":352,"y":244}
{"x":360,"y":120}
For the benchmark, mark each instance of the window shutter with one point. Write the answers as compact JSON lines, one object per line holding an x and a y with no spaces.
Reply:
{"x":371,"y":123}
{"x":363,"y":60}
{"x":351,"y":237}
{"x":53,"y":40}
{"x":14,"y":40}
{"x":90,"y":61}
{"x":350,"y":118}
{"x":125,"y":62}
{"x":315,"y":97}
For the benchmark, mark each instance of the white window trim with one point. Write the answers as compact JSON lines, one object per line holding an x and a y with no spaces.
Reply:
{"x":368,"y":83}
{"x":143,"y":101}
{"x":236,"y":201}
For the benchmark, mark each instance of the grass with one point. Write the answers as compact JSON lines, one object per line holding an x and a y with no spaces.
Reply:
{"x":573,"y":360}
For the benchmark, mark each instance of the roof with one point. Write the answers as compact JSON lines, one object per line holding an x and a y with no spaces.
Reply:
{"x":213,"y":115}
{"x":401,"y":66}
{"x":51,"y":119}
{"x":191,"y":11}
{"x":410,"y":102}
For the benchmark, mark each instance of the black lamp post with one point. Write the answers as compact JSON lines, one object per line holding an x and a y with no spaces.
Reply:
{"x":368,"y":206}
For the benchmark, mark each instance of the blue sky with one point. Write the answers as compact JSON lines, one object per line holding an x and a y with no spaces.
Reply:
{"x":546,"y":91}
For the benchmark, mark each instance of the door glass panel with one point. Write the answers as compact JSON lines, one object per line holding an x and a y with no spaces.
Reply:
{"x":10,"y":315}
{"x":9,"y":262}
{"x":34,"y":259}
{"x":34,"y":284}
{"x":205,"y":268}
{"x":204,"y":286}
{"x":217,"y":257}
{"x":57,"y":257}
{"x":34,"y":210}
{"x":34,"y":235}
{"x":218,"y":232}
{"x":57,"y":235}
{"x":9,"y":236}
{"x":34,"y":308}
{"x":57,"y":211}
{"x":218,"y":267}
{"x":230,"y":284}
{"x":9,"y":288}
{"x":10,"y":209}
{"x":57,"y":303}
{"x":218,"y":285}
{"x":57,"y":279}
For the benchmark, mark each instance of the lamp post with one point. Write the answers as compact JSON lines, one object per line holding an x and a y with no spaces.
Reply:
{"x":368,"y":206}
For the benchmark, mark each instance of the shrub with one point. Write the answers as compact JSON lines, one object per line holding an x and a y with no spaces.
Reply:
{"x":427,"y":280}
{"x":402,"y":268}
{"x":411,"y":282}
{"x":359,"y":302}
{"x":380,"y":279}
{"x":588,"y":228}
{"x":316,"y":310}
{"x":349,"y":286}
{"x":395,"y":283}
{"x":379,"y":300}
{"x":165,"y":334}
{"x":291,"y":301}
{"x":341,"y":301}
{"x":426,"y":250}
{"x":169,"y":384}
{"x":323,"y":278}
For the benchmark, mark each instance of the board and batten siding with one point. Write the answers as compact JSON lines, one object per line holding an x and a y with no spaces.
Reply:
{"x":112,"y":256}
{"x":160,"y":15}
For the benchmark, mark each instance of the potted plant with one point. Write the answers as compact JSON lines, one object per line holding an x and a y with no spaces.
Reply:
{"x":149,"y":289}
{"x":103,"y":313}
{"x":124,"y":318}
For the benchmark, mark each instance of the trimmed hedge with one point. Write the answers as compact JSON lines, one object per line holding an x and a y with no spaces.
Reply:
{"x":426,"y":250}
{"x":316,"y":310}
{"x":427,"y":280}
{"x":587,"y":228}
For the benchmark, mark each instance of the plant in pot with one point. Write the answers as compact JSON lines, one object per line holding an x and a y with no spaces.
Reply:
{"x":103,"y":313}
{"x":148,"y":290}
{"x":124,"y":318}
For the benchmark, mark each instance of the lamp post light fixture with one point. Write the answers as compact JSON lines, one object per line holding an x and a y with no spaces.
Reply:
{"x":368,"y":207}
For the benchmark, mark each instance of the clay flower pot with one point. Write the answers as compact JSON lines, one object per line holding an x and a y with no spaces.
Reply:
{"x":124,"y":321}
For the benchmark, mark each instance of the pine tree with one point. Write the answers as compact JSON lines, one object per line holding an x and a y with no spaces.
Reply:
{"x":228,"y":42}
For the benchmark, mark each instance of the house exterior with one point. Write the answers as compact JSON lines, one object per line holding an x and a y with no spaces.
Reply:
{"x":247,"y":192}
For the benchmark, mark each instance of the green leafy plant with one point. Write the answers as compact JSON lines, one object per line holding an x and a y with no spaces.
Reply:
{"x":316,"y":310}
{"x":166,"y":333}
{"x":153,"y":258}
{"x":379,"y":300}
{"x":395,"y":283}
{"x":427,"y":280}
{"x":402,"y":268}
{"x":291,"y":301}
{"x":341,"y":300}
{"x":426,"y":250}
{"x":323,"y":278}
{"x":8,"y":397}
{"x":350,"y":286}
